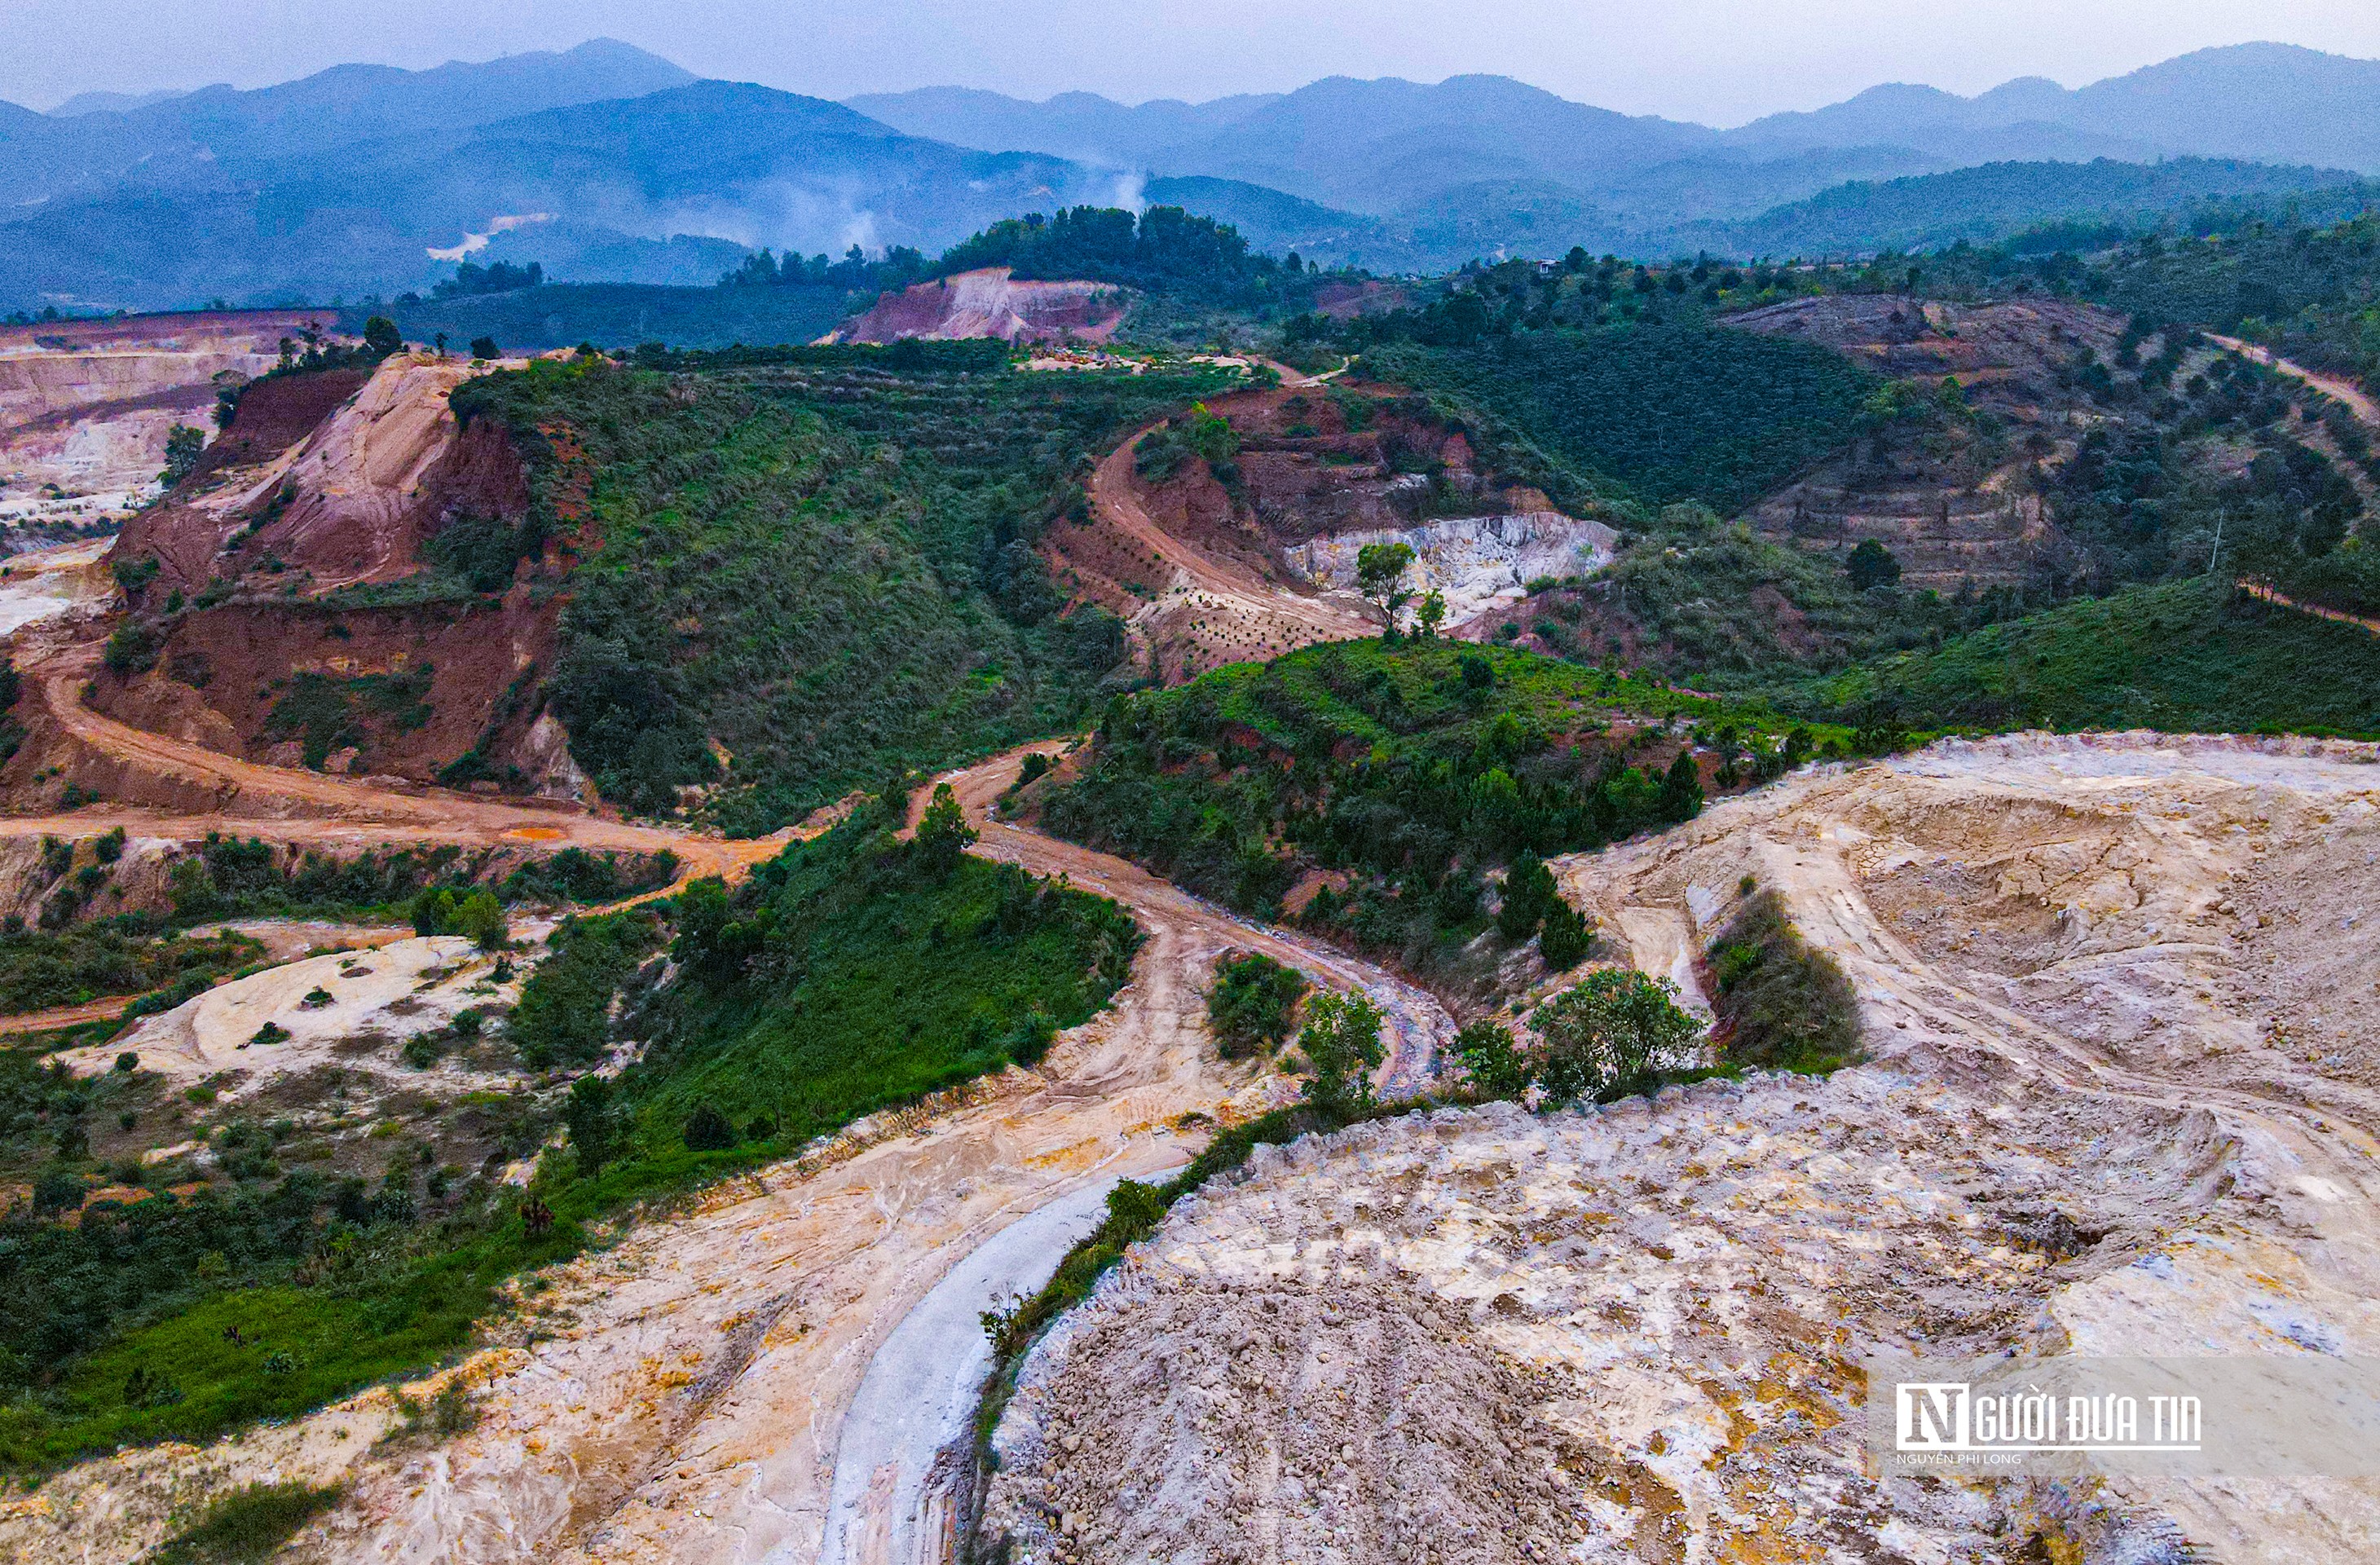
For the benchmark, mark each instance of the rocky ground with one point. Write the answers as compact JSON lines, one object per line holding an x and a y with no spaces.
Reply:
{"x":2115,"y":995}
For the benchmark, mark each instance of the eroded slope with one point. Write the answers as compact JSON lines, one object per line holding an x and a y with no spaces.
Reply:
{"x":2107,"y":1110}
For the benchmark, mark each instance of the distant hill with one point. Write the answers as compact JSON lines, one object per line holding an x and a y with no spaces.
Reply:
{"x":112,"y":102}
{"x":2272,"y":102}
{"x":2003,"y":199}
{"x":217,"y":137}
{"x":588,"y":188}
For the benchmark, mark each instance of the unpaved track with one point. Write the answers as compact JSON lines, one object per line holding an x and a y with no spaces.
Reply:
{"x":2258,"y":589}
{"x":687,"y":1397}
{"x":315,"y":809}
{"x":2345,"y":391}
{"x":1202,"y":587}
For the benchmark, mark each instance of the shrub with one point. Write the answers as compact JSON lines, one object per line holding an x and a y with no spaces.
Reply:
{"x":1781,"y":1005}
{"x":247,"y":1525}
{"x":1611,"y":1037}
{"x":708,"y":1130}
{"x":1251,"y":1004}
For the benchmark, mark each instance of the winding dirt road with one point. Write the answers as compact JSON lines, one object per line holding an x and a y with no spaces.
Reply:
{"x":684,"y":1394}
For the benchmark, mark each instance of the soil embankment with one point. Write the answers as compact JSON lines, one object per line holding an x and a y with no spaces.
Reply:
{"x":86,"y":405}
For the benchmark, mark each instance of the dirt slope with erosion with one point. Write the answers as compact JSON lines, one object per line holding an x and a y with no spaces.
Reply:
{"x":85,"y":406}
{"x":1211,"y":568}
{"x":990,"y":303}
{"x":2119,"y":1098}
{"x":325,"y":484}
{"x":1952,"y":504}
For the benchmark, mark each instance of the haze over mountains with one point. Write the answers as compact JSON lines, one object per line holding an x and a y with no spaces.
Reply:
{"x":607,"y":161}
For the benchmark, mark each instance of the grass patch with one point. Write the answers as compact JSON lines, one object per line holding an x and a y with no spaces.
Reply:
{"x":246,"y":1525}
{"x":1782,"y":1005}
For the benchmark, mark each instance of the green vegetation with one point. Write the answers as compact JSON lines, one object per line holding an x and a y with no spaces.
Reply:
{"x":2189,"y":656}
{"x":1668,"y":412}
{"x":1252,"y":1004}
{"x":1781,"y":1005}
{"x":1616,"y":1034}
{"x":325,"y":714}
{"x":901,"y":489}
{"x":1415,"y":768}
{"x":854,"y":972}
{"x":246,"y":1526}
{"x":38,"y":969}
{"x":228,"y":878}
{"x":1164,"y":250}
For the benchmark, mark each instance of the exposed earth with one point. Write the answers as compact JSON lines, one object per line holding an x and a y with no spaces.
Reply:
{"x":2117,"y":1000}
{"x":988,"y":303}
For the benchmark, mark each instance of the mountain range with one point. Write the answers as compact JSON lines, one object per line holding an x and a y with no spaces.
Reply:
{"x":606,"y":161}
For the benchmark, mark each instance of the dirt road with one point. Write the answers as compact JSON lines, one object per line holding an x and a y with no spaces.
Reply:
{"x":686,"y":1393}
{"x":2258,"y":589}
{"x":1209,"y":610}
{"x":2346,"y":391}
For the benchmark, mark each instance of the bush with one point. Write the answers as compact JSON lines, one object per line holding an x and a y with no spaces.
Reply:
{"x":247,"y":1525}
{"x":1781,"y":1005}
{"x":1251,"y":1004}
{"x":708,"y":1130}
{"x":1611,"y":1037}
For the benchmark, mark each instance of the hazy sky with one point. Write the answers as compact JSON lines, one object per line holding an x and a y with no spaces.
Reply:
{"x":1718,"y":61}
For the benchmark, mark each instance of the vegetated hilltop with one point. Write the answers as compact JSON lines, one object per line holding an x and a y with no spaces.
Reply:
{"x":2025,"y":448}
{"x":583,"y":566}
{"x":815,"y":566}
{"x":1371,"y":789}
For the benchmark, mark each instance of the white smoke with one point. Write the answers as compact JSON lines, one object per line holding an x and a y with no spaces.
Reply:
{"x":1131,"y":191}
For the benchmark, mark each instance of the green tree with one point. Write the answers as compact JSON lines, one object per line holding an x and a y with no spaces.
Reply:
{"x":943,"y":834}
{"x":1251,"y":1004}
{"x":1379,"y":575}
{"x":183,"y":446}
{"x":382,"y":337}
{"x":1429,"y":615}
{"x":481,"y":918}
{"x":1528,"y":892}
{"x":708,"y":1130}
{"x":1497,"y":1069}
{"x":1872,"y":565}
{"x":1682,"y":789}
{"x":1610,"y":1036}
{"x":1566,"y":938}
{"x":594,"y":1122}
{"x":1342,"y":1041}
{"x":485,"y":347}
